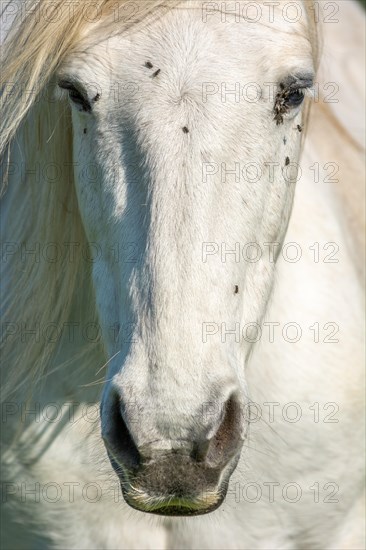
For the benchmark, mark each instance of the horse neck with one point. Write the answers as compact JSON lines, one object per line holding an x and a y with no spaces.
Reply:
{"x":341,"y":175}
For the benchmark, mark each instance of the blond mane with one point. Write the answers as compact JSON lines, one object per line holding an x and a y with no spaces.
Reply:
{"x":33,"y":128}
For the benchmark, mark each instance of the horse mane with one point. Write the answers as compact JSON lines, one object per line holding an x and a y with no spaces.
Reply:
{"x":34,"y":130}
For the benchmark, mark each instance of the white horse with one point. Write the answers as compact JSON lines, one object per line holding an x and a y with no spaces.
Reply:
{"x":150,"y":157}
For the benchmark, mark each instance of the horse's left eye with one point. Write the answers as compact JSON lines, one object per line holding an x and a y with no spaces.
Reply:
{"x":289,"y":97}
{"x":295,"y":98}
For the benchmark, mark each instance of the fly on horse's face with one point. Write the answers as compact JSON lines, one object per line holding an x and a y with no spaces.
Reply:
{"x":186,"y":134}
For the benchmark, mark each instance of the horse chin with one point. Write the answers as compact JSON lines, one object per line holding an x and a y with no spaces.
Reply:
{"x":180,"y":497}
{"x":174,"y":507}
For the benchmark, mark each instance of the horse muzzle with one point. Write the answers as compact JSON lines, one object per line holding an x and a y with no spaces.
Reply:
{"x":174,"y":486}
{"x":181,"y":477}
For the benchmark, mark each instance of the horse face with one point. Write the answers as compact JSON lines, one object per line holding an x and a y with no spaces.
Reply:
{"x":186,"y":134}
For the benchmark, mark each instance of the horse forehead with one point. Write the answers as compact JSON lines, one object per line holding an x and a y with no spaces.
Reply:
{"x":186,"y":46}
{"x":177,"y":54}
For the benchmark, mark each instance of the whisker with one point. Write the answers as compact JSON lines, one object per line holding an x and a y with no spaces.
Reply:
{"x":96,"y":382}
{"x":105,"y":364}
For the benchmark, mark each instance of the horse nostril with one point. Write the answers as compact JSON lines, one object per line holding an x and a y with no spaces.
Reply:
{"x":227,"y":440}
{"x":208,"y":452}
{"x":119,"y":441}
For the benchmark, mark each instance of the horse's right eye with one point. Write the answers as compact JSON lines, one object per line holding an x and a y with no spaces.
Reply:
{"x":75,"y":95}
